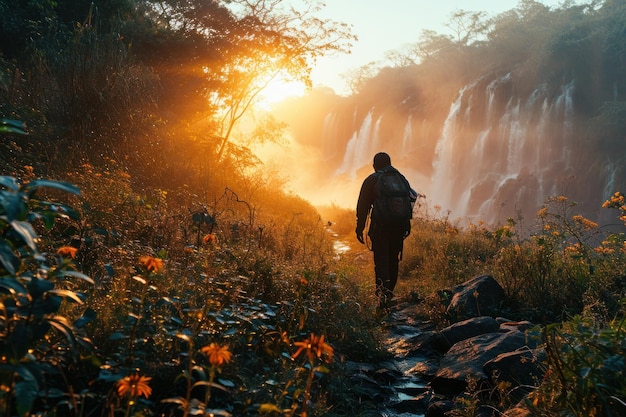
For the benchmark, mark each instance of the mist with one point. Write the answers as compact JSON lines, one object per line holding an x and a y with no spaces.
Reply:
{"x":487,"y":131}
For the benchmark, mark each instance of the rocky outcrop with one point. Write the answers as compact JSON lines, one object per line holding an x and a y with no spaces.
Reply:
{"x":432,"y":368}
{"x":480,"y":296}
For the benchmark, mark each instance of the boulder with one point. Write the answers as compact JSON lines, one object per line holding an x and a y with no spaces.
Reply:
{"x":464,"y":330}
{"x":466,"y":359}
{"x":480,"y":296}
{"x":523,"y":369}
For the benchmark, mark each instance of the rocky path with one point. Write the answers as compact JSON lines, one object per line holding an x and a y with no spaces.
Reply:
{"x":395,"y":385}
{"x":428,"y":369}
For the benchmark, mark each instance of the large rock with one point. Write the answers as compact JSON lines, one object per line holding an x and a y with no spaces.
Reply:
{"x":523,"y":369}
{"x":480,"y":296}
{"x":457,"y":332}
{"x":466,"y":359}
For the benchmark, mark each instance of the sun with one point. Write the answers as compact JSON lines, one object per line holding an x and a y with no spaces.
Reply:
{"x":280,"y":89}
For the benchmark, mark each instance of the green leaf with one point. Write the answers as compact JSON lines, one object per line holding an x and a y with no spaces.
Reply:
{"x":180,"y":401}
{"x":269,"y":408}
{"x":323,"y":369}
{"x":76,"y":274}
{"x":12,"y":126}
{"x":38,"y":287}
{"x":88,"y":316}
{"x":13,"y":286}
{"x":9,"y":261}
{"x":26,"y":231}
{"x":67,"y":294}
{"x":26,"y":389}
{"x":61,"y":324}
{"x":9,"y":182}
{"x":210,"y":384}
{"x":117,"y":336}
{"x":32,"y":186}
{"x":185,"y":337}
{"x":10,"y":129}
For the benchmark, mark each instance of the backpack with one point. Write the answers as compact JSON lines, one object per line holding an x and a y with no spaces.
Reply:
{"x":392,"y":204}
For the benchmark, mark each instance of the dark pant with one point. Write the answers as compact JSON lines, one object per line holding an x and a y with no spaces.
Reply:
{"x":387,"y":247}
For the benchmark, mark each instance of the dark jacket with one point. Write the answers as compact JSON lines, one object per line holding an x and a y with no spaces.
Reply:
{"x":366,"y":201}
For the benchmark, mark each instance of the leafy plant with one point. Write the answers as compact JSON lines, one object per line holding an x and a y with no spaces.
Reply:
{"x":33,"y":287}
{"x":586,"y":368}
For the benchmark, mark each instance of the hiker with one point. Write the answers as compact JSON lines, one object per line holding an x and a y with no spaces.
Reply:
{"x":390,"y":223}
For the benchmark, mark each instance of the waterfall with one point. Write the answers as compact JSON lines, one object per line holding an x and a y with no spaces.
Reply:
{"x":328,"y":148}
{"x":361,"y":147}
{"x":500,"y":147}
{"x":407,"y":136}
{"x":508,"y":155}
{"x":444,"y":164}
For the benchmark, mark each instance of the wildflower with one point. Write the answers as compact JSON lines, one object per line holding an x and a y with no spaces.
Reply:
{"x":133,"y":386}
{"x":209,"y":239}
{"x":603,"y":250}
{"x":542,"y":212}
{"x":586,"y":223}
{"x":217,"y":354}
{"x":561,"y":199}
{"x":67,"y":251}
{"x":151,"y":263}
{"x":575,"y":249}
{"x":303,"y":281}
{"x":314,"y":346}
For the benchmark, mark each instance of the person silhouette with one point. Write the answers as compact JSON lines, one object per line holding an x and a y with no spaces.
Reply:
{"x":387,"y":239}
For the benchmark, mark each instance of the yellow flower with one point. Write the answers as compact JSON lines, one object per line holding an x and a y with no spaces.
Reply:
{"x":542,"y":212}
{"x":67,"y":251}
{"x":314,"y":346}
{"x":133,"y":386}
{"x":151,"y":263}
{"x":217,"y":354}
{"x":586,"y":223}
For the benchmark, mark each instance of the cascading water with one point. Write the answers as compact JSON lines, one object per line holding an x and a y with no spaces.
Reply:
{"x":502,"y":148}
{"x":516,"y":157}
{"x":363,"y":144}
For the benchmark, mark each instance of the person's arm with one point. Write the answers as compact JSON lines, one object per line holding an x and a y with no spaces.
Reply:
{"x":364,"y":204}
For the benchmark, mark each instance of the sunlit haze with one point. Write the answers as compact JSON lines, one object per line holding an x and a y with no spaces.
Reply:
{"x":481,"y":138}
{"x":387,"y":26}
{"x":278,"y":90}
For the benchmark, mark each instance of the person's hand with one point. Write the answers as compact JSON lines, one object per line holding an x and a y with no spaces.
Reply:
{"x":359,"y":235}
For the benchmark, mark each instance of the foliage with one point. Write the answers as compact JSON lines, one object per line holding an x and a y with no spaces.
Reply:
{"x":585,"y":374}
{"x":149,"y":329}
{"x":38,"y":335}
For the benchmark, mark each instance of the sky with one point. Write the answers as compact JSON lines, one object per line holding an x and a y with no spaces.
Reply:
{"x":387,"y":25}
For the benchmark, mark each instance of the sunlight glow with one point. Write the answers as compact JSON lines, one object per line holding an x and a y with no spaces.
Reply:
{"x":278,"y":90}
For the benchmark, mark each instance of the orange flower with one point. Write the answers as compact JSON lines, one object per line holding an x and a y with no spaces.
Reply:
{"x":209,"y":238}
{"x":151,"y":263}
{"x":133,"y":386}
{"x":67,"y":251}
{"x":314,"y":346}
{"x":303,"y":281}
{"x":217,"y":354}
